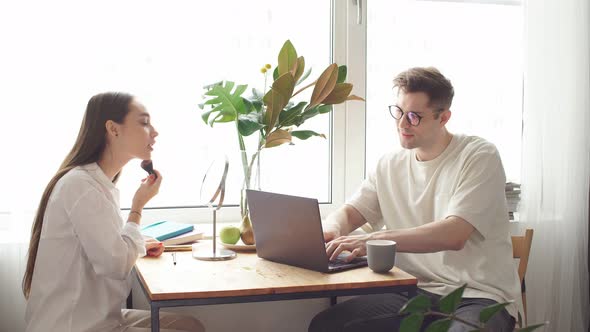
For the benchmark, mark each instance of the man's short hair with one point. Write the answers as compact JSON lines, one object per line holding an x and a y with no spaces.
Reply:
{"x":429,"y":80}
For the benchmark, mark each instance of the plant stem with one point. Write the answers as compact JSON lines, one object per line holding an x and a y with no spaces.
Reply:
{"x":244,"y":157}
{"x":264,"y":85}
{"x":243,"y":154}
{"x":250,"y":168}
{"x":305,"y":87}
{"x":453,"y":317}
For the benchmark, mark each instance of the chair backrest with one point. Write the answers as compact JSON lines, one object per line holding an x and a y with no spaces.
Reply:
{"x":521,"y":248}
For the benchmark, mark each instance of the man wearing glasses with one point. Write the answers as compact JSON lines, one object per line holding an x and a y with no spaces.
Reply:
{"x":442,"y":199}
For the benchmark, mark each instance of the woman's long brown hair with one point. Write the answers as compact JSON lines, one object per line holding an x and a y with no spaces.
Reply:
{"x":88,"y":148}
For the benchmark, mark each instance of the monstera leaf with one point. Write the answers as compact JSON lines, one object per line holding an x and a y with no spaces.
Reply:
{"x":225,"y":104}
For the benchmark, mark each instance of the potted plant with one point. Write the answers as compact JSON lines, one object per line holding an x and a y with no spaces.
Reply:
{"x":272,"y":114}
{"x":420,"y":306}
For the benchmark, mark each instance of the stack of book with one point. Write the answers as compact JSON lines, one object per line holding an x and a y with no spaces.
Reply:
{"x":172,"y":233}
{"x":512,"y":198}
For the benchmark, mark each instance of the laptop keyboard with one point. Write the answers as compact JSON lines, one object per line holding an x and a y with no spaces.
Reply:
{"x":339,"y":261}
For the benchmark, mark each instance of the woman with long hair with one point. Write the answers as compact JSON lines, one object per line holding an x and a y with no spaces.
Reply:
{"x":81,"y":251}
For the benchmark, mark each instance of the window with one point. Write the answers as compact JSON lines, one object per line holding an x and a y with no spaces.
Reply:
{"x":478,"y":46}
{"x":63,"y":52}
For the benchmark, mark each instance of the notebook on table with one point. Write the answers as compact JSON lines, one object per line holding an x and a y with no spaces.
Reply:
{"x":288,"y":230}
{"x":163,"y":230}
{"x":190,"y":237}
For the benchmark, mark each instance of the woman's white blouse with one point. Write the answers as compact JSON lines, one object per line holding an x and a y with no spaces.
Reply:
{"x":85,"y":256}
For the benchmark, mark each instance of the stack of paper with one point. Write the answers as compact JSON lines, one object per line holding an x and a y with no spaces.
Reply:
{"x":512,"y":198}
{"x":189,"y":237}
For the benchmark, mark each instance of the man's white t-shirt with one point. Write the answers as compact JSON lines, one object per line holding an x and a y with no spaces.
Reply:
{"x":85,"y":256}
{"x":467,"y":180}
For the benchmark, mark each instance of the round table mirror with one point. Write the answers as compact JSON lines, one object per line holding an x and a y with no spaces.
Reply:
{"x":212,"y":194}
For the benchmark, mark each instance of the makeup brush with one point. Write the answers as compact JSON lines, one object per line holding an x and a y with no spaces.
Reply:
{"x":148,"y":166}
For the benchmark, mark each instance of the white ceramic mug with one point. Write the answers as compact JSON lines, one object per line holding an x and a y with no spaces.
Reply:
{"x":381,"y":255}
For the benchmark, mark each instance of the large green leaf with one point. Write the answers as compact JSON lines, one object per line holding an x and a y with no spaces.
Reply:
{"x":420,"y":303}
{"x":277,"y":137}
{"x":249,"y":124}
{"x":288,"y":117}
{"x":488,"y":312}
{"x":341,"y":74}
{"x":305,"y":134}
{"x":412,"y":323}
{"x":307,"y":114}
{"x":220,"y":114}
{"x":252,"y":105}
{"x":205,"y":116}
{"x":209,"y":86}
{"x":287,"y":59}
{"x":441,"y":325}
{"x":324,"y":85}
{"x":311,"y":112}
{"x":226,"y":102}
{"x":323,"y":109}
{"x":221,"y":118}
{"x":256,"y":94}
{"x":339,"y":94}
{"x":277,"y":98}
{"x":449,"y":303}
{"x":257,"y":104}
{"x":248,"y":107}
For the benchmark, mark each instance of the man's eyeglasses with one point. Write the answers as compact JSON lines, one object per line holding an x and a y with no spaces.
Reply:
{"x":397,"y":113}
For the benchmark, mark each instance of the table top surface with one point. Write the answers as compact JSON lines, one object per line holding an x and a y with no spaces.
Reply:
{"x":248,"y":275}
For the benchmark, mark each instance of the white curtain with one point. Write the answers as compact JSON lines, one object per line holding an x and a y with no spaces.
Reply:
{"x":556,"y":161}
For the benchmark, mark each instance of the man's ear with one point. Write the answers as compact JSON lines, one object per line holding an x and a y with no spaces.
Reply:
{"x":445,"y":116}
{"x":112,"y":128}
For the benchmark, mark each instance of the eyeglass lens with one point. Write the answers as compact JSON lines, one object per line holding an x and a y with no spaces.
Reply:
{"x":414,"y":118}
{"x":397,"y":114}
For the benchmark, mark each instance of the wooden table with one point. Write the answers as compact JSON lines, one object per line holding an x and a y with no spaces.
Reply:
{"x":249,"y":278}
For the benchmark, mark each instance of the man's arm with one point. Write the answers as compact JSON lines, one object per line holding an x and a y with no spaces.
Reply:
{"x":342,"y":222}
{"x":449,"y":234}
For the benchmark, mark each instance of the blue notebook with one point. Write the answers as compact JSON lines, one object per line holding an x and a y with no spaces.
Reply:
{"x":163,"y":230}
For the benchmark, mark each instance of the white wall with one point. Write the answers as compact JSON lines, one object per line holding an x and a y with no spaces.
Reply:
{"x":12,"y":302}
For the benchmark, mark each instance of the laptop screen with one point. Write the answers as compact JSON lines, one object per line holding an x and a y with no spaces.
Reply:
{"x":288,"y":229}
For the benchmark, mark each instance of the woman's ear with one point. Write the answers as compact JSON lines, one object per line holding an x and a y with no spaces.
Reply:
{"x":112,"y":128}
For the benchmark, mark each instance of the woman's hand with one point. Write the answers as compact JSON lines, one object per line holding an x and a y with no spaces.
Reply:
{"x":356,"y":244}
{"x":154,"y":248}
{"x":147,"y":190}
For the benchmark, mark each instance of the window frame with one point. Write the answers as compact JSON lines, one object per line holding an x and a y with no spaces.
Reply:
{"x":347,"y":124}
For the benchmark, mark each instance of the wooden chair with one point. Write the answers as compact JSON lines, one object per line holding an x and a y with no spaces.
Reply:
{"x":521,"y":248}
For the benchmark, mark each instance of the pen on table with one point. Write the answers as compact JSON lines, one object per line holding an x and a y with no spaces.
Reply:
{"x":186,"y":247}
{"x":174,"y":258}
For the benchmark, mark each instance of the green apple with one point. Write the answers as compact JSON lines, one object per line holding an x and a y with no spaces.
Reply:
{"x":229,"y":234}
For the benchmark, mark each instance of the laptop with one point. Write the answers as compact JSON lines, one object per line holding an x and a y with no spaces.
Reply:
{"x":288,"y":230}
